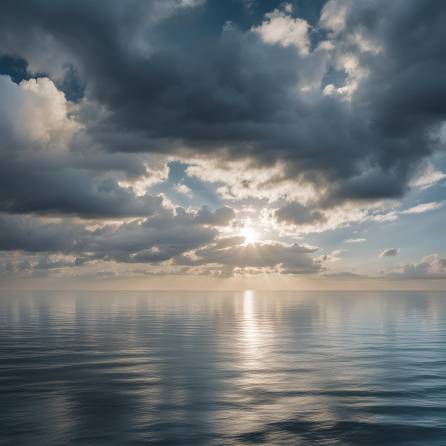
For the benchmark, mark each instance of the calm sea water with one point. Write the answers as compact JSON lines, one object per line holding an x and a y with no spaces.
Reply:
{"x":223,"y":368}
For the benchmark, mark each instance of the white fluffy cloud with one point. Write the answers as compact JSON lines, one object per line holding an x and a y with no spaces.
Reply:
{"x":429,"y":267}
{"x":333,"y":15}
{"x":280,"y":28}
{"x":427,"y":177}
{"x":36,"y":112}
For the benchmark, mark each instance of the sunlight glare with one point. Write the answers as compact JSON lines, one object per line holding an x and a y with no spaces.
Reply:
{"x":250,"y":235}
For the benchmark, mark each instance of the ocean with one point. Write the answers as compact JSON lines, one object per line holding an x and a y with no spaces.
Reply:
{"x":222,"y":368}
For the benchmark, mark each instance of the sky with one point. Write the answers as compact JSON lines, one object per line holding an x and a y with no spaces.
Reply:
{"x":223,"y":144}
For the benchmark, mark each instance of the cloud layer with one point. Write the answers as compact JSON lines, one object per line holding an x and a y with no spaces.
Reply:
{"x":343,"y":108}
{"x":152,"y":132}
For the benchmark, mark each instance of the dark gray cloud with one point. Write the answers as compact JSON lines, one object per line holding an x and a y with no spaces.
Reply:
{"x":35,"y":235}
{"x":297,"y":214}
{"x":169,"y":76}
{"x":69,"y":191}
{"x":37,"y":265}
{"x":156,"y":239}
{"x":390,"y":252}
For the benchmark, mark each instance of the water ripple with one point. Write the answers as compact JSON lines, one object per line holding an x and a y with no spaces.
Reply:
{"x":223,"y":368}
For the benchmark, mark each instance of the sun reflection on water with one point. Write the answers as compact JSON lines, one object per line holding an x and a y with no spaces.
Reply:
{"x":249,"y":320}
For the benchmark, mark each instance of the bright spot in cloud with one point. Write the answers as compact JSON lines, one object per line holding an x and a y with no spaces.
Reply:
{"x":250,"y":235}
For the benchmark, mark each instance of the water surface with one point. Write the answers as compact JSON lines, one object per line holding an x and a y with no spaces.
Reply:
{"x":215,"y":368}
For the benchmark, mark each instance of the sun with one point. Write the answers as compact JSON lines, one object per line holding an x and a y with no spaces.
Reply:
{"x":250,"y":235}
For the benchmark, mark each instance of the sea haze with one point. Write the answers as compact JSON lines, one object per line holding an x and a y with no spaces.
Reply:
{"x":222,"y":368}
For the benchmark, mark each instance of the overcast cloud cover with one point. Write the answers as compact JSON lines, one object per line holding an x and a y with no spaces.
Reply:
{"x":222,"y":138}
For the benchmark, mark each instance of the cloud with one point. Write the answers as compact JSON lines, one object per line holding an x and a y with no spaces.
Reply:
{"x":279,"y":257}
{"x":37,"y":264}
{"x":183,"y":189}
{"x":220,"y":217}
{"x":423,"y":207}
{"x":35,"y":114}
{"x":312,"y":219}
{"x":334,"y":15}
{"x":297,"y":214}
{"x":236,"y":94}
{"x":390,"y":252}
{"x":240,"y":180}
{"x":427,"y":177}
{"x":344,"y":275}
{"x":36,"y":235}
{"x":41,"y":170}
{"x":166,"y":237}
{"x":282,"y":29}
{"x":334,"y":256}
{"x":161,"y":237}
{"x":316,"y":121}
{"x":355,"y":240}
{"x":429,"y":267}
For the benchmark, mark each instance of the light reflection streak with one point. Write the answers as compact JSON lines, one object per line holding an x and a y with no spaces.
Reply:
{"x":249,"y":325}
